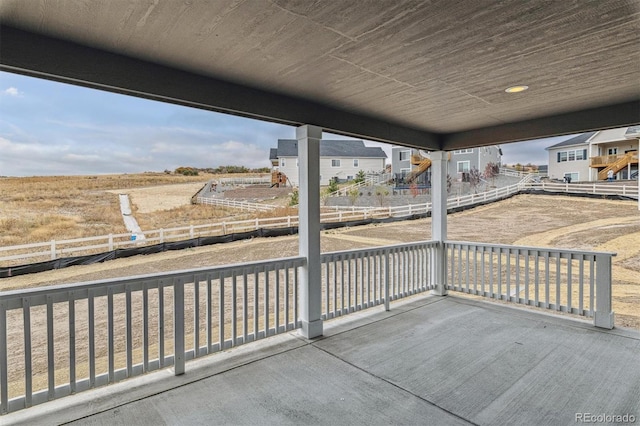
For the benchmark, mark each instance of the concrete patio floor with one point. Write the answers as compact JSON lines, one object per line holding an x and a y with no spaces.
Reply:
{"x":430,"y":360}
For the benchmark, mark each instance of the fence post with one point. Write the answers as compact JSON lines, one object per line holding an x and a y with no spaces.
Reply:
{"x":191,"y":231}
{"x":53,"y":249}
{"x":603,"y":317}
{"x":162,"y":235}
{"x":110,"y":242}
{"x":178,"y":327}
{"x":624,"y":189}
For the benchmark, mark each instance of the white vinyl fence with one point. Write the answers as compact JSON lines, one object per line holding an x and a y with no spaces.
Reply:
{"x":50,"y":250}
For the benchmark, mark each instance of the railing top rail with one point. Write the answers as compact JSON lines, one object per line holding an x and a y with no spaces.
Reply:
{"x":31,"y":292}
{"x":377,"y":249}
{"x":549,"y":249}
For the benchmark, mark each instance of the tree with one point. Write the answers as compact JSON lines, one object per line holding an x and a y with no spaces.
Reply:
{"x":474,"y":179}
{"x":491,"y":171}
{"x":333,"y":185}
{"x":294,"y":199}
{"x":360,"y":177}
{"x":353,"y":195}
{"x":381,"y":195}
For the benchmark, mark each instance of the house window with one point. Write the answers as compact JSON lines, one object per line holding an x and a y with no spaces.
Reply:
{"x":282,"y":162}
{"x":612,"y":151}
{"x":355,"y":163}
{"x":405,"y":172}
{"x":463,"y":166}
{"x":572,"y":177}
{"x":335,"y":163}
{"x":573,"y":155}
{"x":463,"y":151}
{"x":405,"y":155}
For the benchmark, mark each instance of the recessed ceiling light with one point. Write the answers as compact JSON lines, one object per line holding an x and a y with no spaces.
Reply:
{"x":516,"y":89}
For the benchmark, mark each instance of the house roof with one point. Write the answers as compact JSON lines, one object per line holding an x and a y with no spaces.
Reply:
{"x":330,"y":148}
{"x":632,"y":132}
{"x":273,"y":154}
{"x":576,"y":140}
{"x":385,"y":71}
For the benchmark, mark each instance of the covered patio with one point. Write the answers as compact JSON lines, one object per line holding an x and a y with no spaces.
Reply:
{"x":430,"y":76}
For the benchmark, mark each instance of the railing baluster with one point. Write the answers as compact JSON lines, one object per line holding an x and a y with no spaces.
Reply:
{"x":581,"y":286}
{"x":475,"y":269}
{"x":221,"y":334}
{"x":491,"y":256}
{"x":196,"y":316}
{"x":508,"y":275}
{"x":517,"y":276}
{"x":499,"y":273}
{"x":28,"y":375}
{"x":50,"y":350}
{"x":276,"y":298}
{"x":467,"y":267}
{"x":161,"y":323}
{"x":526,"y":277}
{"x":234,"y":309}
{"x":327,"y":287}
{"x":295,"y":296}
{"x":482,"y":271}
{"x":128,"y":332}
{"x":110,"y":336}
{"x":245,"y":306}
{"x":569,"y":262}
{"x":266,"y":301}
{"x":92,"y":338}
{"x":256,"y":303}
{"x":145,"y":328}
{"x":286,"y":296}
{"x":4,"y":381}
{"x":558,"y":277}
{"x":591,"y":285}
{"x":547,"y":282}
{"x":386,"y":280}
{"x":536,"y":279}
{"x":178,"y":326}
{"x":72,"y":343}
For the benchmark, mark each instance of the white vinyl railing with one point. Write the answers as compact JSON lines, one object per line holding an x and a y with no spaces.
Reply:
{"x":59,"y":340}
{"x":357,"y":279}
{"x":577,"y":282}
{"x":263,"y":180}
{"x":51,"y":250}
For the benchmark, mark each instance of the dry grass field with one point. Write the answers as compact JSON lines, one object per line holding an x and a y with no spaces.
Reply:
{"x":38,"y":209}
{"x":531,"y":220}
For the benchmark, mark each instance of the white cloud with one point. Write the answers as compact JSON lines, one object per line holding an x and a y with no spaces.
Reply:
{"x":12,"y":91}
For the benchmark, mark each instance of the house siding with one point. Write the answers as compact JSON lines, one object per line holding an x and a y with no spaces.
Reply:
{"x":557,"y":169}
{"x":373,"y":165}
{"x":478,"y":158}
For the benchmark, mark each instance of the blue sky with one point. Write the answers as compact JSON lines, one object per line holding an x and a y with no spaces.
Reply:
{"x":49,"y":128}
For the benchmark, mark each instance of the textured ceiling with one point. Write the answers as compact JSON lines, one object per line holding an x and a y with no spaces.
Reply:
{"x":435,"y":69}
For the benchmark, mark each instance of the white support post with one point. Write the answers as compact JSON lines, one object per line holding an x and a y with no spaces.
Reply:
{"x":309,"y":229}
{"x":604,"y":317}
{"x":439,"y":218}
{"x":638,"y":168}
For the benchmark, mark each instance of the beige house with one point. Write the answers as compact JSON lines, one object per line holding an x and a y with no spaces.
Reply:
{"x":591,"y":156}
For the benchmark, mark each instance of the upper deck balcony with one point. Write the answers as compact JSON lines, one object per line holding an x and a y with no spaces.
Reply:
{"x":608,"y":160}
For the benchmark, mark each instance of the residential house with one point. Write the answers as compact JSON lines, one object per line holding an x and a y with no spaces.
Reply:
{"x":339,"y":159}
{"x":590,"y":156}
{"x":407,"y":163}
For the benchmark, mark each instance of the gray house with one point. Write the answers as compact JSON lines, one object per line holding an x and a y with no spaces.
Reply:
{"x":341,"y":159}
{"x":407,"y":162}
